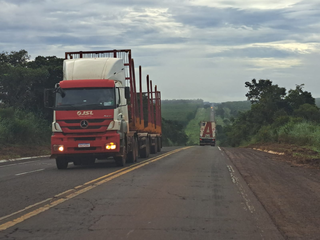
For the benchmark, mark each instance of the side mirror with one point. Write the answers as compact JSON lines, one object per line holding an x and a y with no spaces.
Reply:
{"x":49,"y":98}
{"x":127,"y":92}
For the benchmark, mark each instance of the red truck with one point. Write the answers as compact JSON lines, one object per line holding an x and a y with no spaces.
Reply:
{"x":98,"y":112}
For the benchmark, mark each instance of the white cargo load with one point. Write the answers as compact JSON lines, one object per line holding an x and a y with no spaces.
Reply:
{"x":94,"y":68}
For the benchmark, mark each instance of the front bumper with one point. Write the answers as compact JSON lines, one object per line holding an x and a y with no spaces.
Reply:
{"x":80,"y":144}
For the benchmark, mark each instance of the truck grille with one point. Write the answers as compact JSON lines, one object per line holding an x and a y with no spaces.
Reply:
{"x":90,"y":127}
{"x":89,"y":120}
{"x":94,"y":125}
{"x":84,"y":138}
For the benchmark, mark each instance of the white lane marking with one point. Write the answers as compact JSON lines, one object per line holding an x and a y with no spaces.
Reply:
{"x":24,"y":158}
{"x":235,"y":180}
{"x":219,"y":148}
{"x":15,"y":164}
{"x":38,"y":170}
{"x":130,"y":232}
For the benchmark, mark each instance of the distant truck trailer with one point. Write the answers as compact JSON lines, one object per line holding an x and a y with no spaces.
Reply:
{"x":207,"y":133}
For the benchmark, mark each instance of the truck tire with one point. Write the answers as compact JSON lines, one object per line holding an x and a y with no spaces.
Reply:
{"x":154,"y":148}
{"x":61,"y":163}
{"x":132,"y":155}
{"x":121,"y":160}
{"x":145,"y":152}
{"x":159,"y":145}
{"x":137,"y":150}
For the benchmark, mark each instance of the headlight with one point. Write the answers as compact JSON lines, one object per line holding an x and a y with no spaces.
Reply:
{"x":111,"y":146}
{"x":58,"y":148}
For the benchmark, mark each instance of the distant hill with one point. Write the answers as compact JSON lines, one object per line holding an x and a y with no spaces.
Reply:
{"x":180,"y":110}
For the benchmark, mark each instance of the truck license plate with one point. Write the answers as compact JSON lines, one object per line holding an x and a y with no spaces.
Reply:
{"x":83,"y":145}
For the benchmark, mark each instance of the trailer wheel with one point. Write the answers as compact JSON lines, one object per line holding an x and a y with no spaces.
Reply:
{"x":137,"y":150}
{"x":159,"y":145}
{"x":154,"y":148}
{"x":145,"y":152}
{"x":121,"y":160}
{"x":61,"y":163}
{"x":132,"y":155}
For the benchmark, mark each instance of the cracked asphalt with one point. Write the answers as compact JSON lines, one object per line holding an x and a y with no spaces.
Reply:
{"x":195,"y":193}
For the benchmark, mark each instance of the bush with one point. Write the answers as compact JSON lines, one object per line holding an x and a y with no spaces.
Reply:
{"x":266,"y":134}
{"x":308,"y":112}
{"x":18,"y":127}
{"x":302,"y":133}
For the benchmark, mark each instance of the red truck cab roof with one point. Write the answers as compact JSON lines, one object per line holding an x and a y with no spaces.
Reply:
{"x":88,"y":83}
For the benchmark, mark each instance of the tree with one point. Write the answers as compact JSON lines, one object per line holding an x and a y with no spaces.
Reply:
{"x":173,"y":133}
{"x":22,"y":82}
{"x":220,"y":111}
{"x":269,"y":97}
{"x":298,"y":97}
{"x":264,"y":91}
{"x":14,"y":58}
{"x":308,"y":112}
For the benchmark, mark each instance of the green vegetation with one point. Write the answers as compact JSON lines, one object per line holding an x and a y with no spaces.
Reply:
{"x":23,"y":118}
{"x":193,"y":128}
{"x":176,"y":116}
{"x":173,"y":133}
{"x":275,"y":117}
{"x":181,"y":111}
{"x":17,"y":127}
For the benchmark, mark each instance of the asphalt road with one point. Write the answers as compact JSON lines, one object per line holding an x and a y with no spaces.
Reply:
{"x":179,"y":193}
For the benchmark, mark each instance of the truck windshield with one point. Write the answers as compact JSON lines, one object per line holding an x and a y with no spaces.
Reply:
{"x":85,"y":98}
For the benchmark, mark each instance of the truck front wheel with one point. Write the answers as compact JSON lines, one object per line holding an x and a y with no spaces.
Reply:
{"x":61,"y":163}
{"x":132,"y":155}
{"x":121,"y":160}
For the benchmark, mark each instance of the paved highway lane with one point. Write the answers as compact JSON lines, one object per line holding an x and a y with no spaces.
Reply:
{"x":187,"y":193}
{"x":25,"y":183}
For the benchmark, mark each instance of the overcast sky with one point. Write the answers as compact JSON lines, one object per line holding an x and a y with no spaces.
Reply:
{"x":190,"y":48}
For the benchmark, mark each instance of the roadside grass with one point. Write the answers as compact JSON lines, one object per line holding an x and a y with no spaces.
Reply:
{"x":301,"y":133}
{"x":10,"y":151}
{"x":23,"y":134}
{"x":300,"y":140}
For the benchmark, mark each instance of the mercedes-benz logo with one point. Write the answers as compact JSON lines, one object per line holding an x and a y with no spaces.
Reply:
{"x":84,"y":123}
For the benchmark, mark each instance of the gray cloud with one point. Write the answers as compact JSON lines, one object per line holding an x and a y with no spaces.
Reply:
{"x":180,"y":45}
{"x":255,"y":52}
